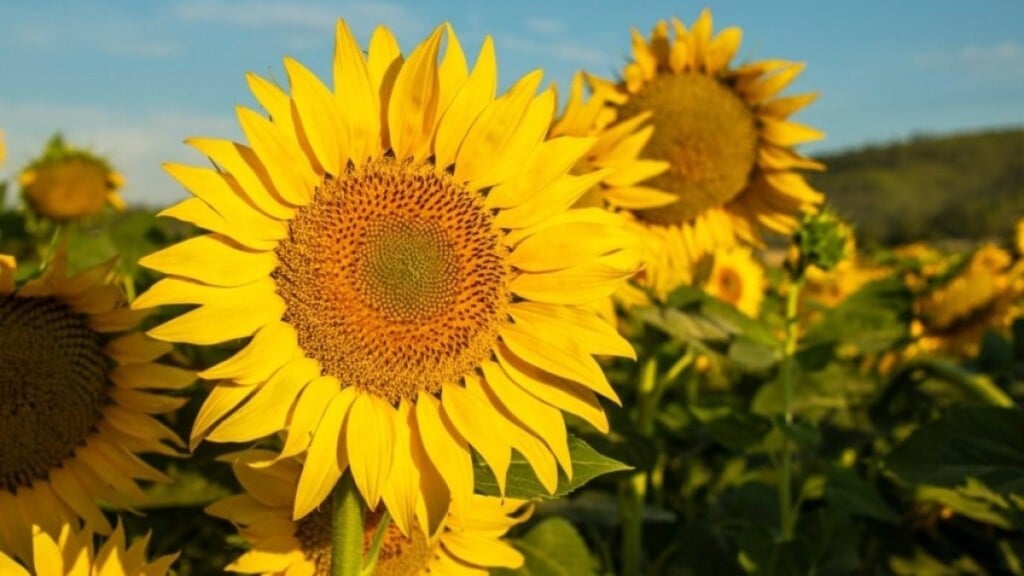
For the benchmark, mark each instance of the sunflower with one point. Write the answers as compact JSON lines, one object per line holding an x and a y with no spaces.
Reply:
{"x":726,"y":136}
{"x":72,"y":554}
{"x":3,"y":148}
{"x":737,"y":278}
{"x":402,"y":252}
{"x":984,"y":295}
{"x":68,"y":183}
{"x":468,"y":544}
{"x":76,"y":413}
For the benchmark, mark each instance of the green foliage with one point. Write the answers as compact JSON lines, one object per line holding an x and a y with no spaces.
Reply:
{"x":553,"y":548}
{"x":522,"y":483}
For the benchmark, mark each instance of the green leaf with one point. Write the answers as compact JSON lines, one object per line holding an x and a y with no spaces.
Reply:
{"x":973,"y":442}
{"x":874,"y":318}
{"x":847,"y":491}
{"x":522,"y":483}
{"x":735,"y":430}
{"x":692,"y":315}
{"x":552,"y":548}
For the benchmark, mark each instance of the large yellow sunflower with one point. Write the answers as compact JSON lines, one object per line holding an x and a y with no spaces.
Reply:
{"x":726,"y":136}
{"x":737,"y":278}
{"x":67,"y":183}
{"x":402,"y":252}
{"x":72,"y":554}
{"x":468,"y":543}
{"x":76,"y":412}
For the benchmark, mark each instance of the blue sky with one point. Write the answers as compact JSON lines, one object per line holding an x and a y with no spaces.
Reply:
{"x":132,"y":79}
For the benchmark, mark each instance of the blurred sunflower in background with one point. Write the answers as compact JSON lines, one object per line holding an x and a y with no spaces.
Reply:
{"x":985,"y":294}
{"x":68,"y":183}
{"x":72,"y":553}
{"x":736,"y":277}
{"x":468,"y":544}
{"x":403,"y":253}
{"x":78,"y":410}
{"x":1019,"y":238}
{"x":726,"y":135}
{"x":3,"y":148}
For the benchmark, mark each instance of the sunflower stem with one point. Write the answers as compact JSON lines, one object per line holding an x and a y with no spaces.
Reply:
{"x":370,"y":562}
{"x":51,"y":247}
{"x":634,"y":490}
{"x":787,"y":512}
{"x":347,"y":529}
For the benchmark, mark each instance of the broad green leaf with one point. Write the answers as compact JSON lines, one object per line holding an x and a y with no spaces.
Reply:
{"x":847,"y":491}
{"x":974,"y":501}
{"x":691,"y":315}
{"x":553,"y":548}
{"x":974,"y":442}
{"x":874,"y":318}
{"x":522,"y":483}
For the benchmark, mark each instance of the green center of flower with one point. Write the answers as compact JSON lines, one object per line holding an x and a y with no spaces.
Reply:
{"x":53,"y":386}
{"x":395,"y":279}
{"x":398,"y":555}
{"x":708,"y":135}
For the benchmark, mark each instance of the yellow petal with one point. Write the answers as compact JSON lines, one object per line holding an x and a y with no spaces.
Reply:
{"x":8,"y":266}
{"x":45,"y":554}
{"x":370,"y":437}
{"x":556,"y":197}
{"x":497,"y":127}
{"x":248,"y":176}
{"x":383,"y":63}
{"x":472,"y":418}
{"x":532,"y":413}
{"x":136,"y":347}
{"x":550,"y":161}
{"x":587,"y":282}
{"x":318,"y":115}
{"x":9,"y":566}
{"x":559,"y":354}
{"x":475,"y":94}
{"x":357,"y":97}
{"x":481,"y":550}
{"x":402,"y":489}
{"x":788,"y":133}
{"x":593,"y":334}
{"x":270,"y":348}
{"x":266,"y":411}
{"x":559,"y":392}
{"x":71,"y":492}
{"x":308,"y":411}
{"x":195,"y":211}
{"x":156,"y":376}
{"x":327,"y":458}
{"x":213,"y":188}
{"x":222,"y":399}
{"x":288,"y":166}
{"x":559,"y":247}
{"x":212,"y":259}
{"x":447,"y":449}
{"x":413,"y":105}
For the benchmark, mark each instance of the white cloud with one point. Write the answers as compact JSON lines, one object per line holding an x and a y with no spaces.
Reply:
{"x":136,"y":143}
{"x":544,"y":26}
{"x":566,"y":50}
{"x":1000,"y":58}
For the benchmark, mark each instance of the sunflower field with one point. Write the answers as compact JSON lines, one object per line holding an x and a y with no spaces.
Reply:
{"x":413,"y":324}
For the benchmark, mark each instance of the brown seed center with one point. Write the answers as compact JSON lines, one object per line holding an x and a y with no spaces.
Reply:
{"x":53,"y":383}
{"x":395,"y":279}
{"x":708,"y":135}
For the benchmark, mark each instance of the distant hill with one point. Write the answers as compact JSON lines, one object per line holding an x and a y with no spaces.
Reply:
{"x":964,"y":186}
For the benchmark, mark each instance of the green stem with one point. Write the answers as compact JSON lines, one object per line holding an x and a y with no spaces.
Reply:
{"x":787,"y":512}
{"x":347,"y":529}
{"x":634,"y":490}
{"x":51,"y":247}
{"x":370,"y":563}
{"x":978,"y":385}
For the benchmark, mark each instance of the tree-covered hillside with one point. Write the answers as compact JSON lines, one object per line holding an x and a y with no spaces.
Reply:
{"x":965,"y":186}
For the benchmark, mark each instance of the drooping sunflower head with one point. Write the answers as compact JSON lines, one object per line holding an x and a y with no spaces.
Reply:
{"x":465,"y":544}
{"x":403,"y":252}
{"x":726,"y":136}
{"x":982,"y":295}
{"x":76,"y":412}
{"x":71,"y":553}
{"x":736,"y":277}
{"x":68,"y":183}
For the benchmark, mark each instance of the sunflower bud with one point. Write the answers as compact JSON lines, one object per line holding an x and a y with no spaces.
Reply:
{"x":68,"y":183}
{"x":821,"y":241}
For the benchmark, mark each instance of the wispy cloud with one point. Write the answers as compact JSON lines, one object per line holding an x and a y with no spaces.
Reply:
{"x":544,"y":26}
{"x":303,"y":17}
{"x":1003,"y":58}
{"x":136,"y":142}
